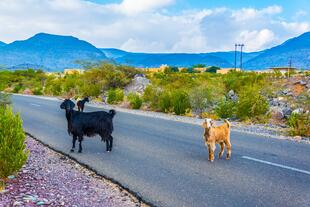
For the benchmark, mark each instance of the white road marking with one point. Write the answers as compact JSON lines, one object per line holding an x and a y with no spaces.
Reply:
{"x":277,"y":165}
{"x":35,"y":104}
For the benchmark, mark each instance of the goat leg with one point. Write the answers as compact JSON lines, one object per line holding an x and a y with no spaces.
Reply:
{"x":111,"y":143}
{"x":73,"y":143}
{"x":222,"y":150}
{"x":80,"y":144}
{"x":212,"y":149}
{"x":228,"y":148}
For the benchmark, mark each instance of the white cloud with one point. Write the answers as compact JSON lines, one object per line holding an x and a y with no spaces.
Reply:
{"x":131,"y":7}
{"x":146,"y":26}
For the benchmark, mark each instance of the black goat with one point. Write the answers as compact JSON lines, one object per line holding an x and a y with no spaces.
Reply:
{"x":81,"y":104}
{"x":89,"y":124}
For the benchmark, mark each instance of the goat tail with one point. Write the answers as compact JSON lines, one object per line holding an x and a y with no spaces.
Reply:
{"x":112,"y":112}
{"x":227,"y":122}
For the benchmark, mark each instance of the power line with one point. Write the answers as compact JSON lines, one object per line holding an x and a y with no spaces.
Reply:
{"x":241,"y":54}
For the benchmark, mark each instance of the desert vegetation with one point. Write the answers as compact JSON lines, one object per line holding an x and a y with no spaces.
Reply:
{"x":245,"y":96}
{"x":13,"y":153}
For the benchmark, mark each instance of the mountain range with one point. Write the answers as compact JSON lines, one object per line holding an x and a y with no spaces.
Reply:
{"x":49,"y":52}
{"x":55,"y":53}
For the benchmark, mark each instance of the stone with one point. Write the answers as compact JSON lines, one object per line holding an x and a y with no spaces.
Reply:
{"x":232,"y":95}
{"x":287,"y":111}
{"x":297,"y":137}
{"x":11,"y":176}
{"x":276,"y":113}
{"x":298,"y":111}
{"x":286,"y":91}
{"x":40,"y":203}
{"x":138,"y":84}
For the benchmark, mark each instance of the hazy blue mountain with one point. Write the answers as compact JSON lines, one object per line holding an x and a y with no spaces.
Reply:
{"x":176,"y":59}
{"x":113,"y":53}
{"x":230,"y":56}
{"x":2,"y":43}
{"x":224,"y":59}
{"x":53,"y":52}
{"x":157,"y":59}
{"x":296,"y":49}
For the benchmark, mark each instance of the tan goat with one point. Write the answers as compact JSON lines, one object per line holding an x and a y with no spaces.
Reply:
{"x":217,"y":134}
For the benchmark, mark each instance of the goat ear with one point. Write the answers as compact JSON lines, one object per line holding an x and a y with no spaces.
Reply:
{"x":204,"y":124}
{"x":212,"y":123}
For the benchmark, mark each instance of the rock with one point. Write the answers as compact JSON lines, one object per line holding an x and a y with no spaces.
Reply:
{"x":11,"y":176}
{"x":297,"y":137}
{"x":276,"y":113}
{"x":27,"y":91}
{"x":303,"y":83}
{"x":298,"y":111}
{"x":40,"y":203}
{"x":286,"y":91}
{"x":287,"y":111}
{"x":232,"y":95}
{"x":138,"y":84}
{"x":17,"y":203}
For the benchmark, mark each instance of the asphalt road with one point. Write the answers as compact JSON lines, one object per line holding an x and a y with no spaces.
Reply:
{"x":165,"y":162}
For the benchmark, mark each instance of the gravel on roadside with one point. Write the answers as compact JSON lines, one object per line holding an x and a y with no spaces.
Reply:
{"x":51,"y":179}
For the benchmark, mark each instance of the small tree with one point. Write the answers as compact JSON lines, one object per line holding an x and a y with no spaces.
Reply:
{"x":115,"y":96}
{"x":134,"y":100}
{"x":251,"y":104}
{"x":201,"y":98}
{"x":180,"y":102}
{"x":225,"y":108}
{"x":4,"y":99}
{"x":299,"y":124}
{"x":13,"y":153}
{"x":164,"y":101}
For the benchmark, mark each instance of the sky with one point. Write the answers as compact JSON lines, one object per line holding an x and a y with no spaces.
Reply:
{"x":167,"y":26}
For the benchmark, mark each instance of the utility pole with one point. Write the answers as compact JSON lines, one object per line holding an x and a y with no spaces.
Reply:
{"x":241,"y":47}
{"x":290,"y":67}
{"x":236,"y":45}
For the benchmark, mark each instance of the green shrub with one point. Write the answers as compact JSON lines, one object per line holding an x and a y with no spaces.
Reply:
{"x":17,"y":88}
{"x":180,"y":102}
{"x":13,"y":153}
{"x":299,"y":124}
{"x":5,"y":99}
{"x":251,"y":104}
{"x":115,"y":96}
{"x":37,"y":91}
{"x":201,"y":98}
{"x":226,"y":108}
{"x":164,"y":102}
{"x":134,"y":100}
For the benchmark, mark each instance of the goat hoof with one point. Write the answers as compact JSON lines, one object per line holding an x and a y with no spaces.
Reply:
{"x":72,"y":150}
{"x":80,"y":151}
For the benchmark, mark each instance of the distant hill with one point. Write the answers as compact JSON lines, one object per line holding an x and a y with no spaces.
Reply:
{"x":53,"y":52}
{"x":113,"y":53}
{"x":221,"y":59}
{"x":177,"y":59}
{"x":2,"y":44}
{"x":297,"y":49}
